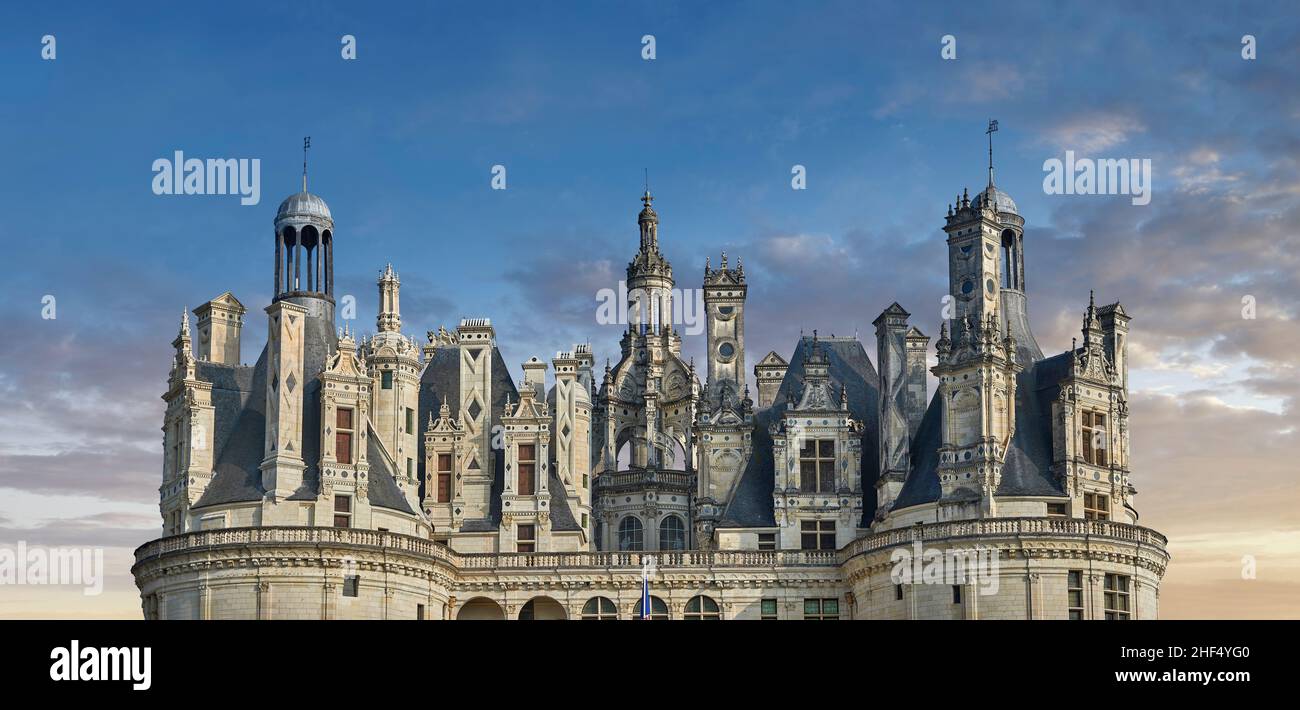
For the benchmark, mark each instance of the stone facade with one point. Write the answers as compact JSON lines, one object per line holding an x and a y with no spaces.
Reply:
{"x":374,"y":477}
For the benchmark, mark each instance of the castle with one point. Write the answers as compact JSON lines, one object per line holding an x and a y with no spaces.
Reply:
{"x":378,"y":477}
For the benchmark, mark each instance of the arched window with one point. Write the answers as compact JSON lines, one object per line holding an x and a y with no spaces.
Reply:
{"x":599,"y":609}
{"x":630,"y":535}
{"x":672,"y":533}
{"x":658,"y":609}
{"x":1010,"y":260}
{"x":702,"y":608}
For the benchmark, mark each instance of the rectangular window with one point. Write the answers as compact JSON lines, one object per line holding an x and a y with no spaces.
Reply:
{"x":526,"y":539}
{"x":1096,"y":506}
{"x":817,"y":534}
{"x":898,"y":592}
{"x":343,"y":430}
{"x":410,"y":467}
{"x":1074,"y":594}
{"x":1057,"y":509}
{"x":342,"y":511}
{"x":817,"y":466}
{"x":444,"y":478}
{"x":956,"y":594}
{"x":821,"y":609}
{"x":386,"y":379}
{"x":1094,"y":438}
{"x":527,"y":469}
{"x":410,"y":420}
{"x":767,"y":541}
{"x":1117,"y":597}
{"x":584,"y":521}
{"x":767,"y":610}
{"x":176,"y":449}
{"x":419,"y":612}
{"x":351,"y":585}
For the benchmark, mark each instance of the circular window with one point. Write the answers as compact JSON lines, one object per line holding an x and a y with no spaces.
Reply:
{"x":988,"y":286}
{"x":725,"y":310}
{"x":726,"y":350}
{"x":967,"y":287}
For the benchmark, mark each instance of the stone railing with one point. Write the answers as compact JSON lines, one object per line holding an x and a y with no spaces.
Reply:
{"x":990,"y":527}
{"x":645,"y":477}
{"x":633,"y":560}
{"x":236,"y":537}
{"x":1006,"y":527}
{"x":293,"y":535}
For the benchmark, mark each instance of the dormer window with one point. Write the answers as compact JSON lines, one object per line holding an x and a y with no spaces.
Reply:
{"x":444,"y":478}
{"x":1094,"y":438}
{"x":817,"y":466}
{"x":343,"y":430}
{"x":527,"y":469}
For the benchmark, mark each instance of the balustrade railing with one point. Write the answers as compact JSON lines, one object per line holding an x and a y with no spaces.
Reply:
{"x":991,"y":527}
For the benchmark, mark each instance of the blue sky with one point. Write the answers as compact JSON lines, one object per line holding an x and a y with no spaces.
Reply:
{"x":404,"y":138}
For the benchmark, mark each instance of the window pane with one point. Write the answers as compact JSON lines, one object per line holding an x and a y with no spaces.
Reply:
{"x":807,"y":450}
{"x":830,"y":606}
{"x":808,"y":476}
{"x":527,"y":452}
{"x":827,"y":483}
{"x":342,"y":504}
{"x":812,"y":606}
{"x":444,"y":462}
{"x":526,"y":479}
{"x":826,"y":448}
{"x":343,"y":419}
{"x":343,"y":447}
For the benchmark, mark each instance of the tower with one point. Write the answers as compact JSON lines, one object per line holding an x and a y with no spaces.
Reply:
{"x":724,"y":308}
{"x":301,"y":338}
{"x":188,"y":428}
{"x":644,"y":413}
{"x":978,"y":366}
{"x":393,"y":362}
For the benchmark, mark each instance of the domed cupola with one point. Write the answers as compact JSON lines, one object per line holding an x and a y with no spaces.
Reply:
{"x":304,"y":244}
{"x":997,"y":199}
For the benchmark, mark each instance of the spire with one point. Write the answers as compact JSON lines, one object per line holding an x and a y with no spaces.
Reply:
{"x":185,"y":325}
{"x":306,"y":143}
{"x":1091,"y":325}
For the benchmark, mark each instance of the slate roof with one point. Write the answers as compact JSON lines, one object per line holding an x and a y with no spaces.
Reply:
{"x":751,"y":506}
{"x":239,"y":441}
{"x":1026,"y":471}
{"x":441,"y":378}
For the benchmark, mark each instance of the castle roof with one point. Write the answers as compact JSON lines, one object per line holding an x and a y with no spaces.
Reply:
{"x":441,"y":378}
{"x":239,"y":439}
{"x":848,"y":366}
